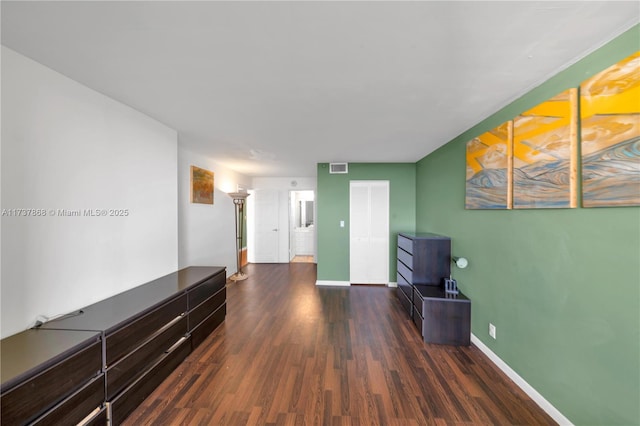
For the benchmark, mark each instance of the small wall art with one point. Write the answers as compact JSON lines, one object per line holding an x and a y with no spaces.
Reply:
{"x":201,"y":186}
{"x":610,"y":131}
{"x":545,"y":154}
{"x":489,"y":169}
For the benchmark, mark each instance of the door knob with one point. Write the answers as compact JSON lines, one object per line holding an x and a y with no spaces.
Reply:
{"x":274,"y":229}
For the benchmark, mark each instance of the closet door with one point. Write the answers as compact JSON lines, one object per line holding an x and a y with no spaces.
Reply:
{"x":369,"y":232}
{"x":266,"y":234}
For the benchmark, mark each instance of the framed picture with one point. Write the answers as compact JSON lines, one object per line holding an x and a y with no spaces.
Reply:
{"x":545,"y":149}
{"x":610,"y":129}
{"x":489,"y":169}
{"x":201,"y":186}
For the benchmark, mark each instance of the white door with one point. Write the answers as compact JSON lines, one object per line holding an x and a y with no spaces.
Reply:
{"x":369,"y":232}
{"x":266,"y":231}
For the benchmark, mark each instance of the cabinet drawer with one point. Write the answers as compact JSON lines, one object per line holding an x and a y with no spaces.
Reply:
{"x":418,"y":321}
{"x":76,"y":407}
{"x":33,"y":397}
{"x":404,"y":286}
{"x":405,"y":258}
{"x":418,"y":306}
{"x":127,"y":369}
{"x":405,"y":243}
{"x":404,"y":301}
{"x":202,"y":331}
{"x":127,"y":338}
{"x":418,"y":301}
{"x":197,"y":315}
{"x":406,"y":273}
{"x":205,"y":290}
{"x":123,"y":404}
{"x":99,"y":419}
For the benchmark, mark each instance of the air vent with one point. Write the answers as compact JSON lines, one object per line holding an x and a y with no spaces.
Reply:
{"x":338,"y":168}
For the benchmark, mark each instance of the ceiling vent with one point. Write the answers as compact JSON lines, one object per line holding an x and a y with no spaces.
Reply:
{"x":335,"y":168}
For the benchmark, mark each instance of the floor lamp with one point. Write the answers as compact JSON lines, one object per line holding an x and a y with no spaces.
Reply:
{"x":239,"y":200}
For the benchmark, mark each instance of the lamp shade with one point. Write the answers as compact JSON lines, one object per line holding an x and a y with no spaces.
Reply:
{"x":238,"y":196}
{"x":460,"y":262}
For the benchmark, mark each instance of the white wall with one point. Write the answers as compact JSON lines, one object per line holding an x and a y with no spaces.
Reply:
{"x":65,"y":146}
{"x":207,"y":232}
{"x":283,"y":185}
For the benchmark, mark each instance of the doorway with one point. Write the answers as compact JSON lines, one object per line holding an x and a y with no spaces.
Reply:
{"x":302,"y":228}
{"x":369,"y":232}
{"x":265,"y":230}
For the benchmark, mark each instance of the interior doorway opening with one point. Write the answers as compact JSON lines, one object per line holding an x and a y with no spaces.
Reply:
{"x":302,"y":229}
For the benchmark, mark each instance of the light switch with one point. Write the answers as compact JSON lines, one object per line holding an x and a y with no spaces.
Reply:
{"x":342,"y":224}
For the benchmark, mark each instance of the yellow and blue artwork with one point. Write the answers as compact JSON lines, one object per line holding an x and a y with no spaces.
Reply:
{"x":489,"y":169}
{"x":545,"y":154}
{"x":610,"y":130}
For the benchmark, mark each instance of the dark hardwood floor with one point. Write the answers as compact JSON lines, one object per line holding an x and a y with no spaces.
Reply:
{"x":291,"y":353}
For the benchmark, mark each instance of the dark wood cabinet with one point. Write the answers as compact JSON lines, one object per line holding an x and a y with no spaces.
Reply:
{"x":50,"y":375}
{"x":424,"y":258}
{"x":442,"y":318}
{"x":423,"y":261}
{"x":61,"y":373}
{"x":207,"y":308}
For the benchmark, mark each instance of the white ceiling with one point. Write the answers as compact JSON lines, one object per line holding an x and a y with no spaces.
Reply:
{"x":272,"y":88}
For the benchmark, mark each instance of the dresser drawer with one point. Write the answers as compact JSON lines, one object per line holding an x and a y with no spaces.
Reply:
{"x":418,"y":320}
{"x":77,"y":406}
{"x":405,"y":258}
{"x":405,"y":243}
{"x":406,"y":273}
{"x":127,"y":369}
{"x":31,"y":398}
{"x":404,"y":301}
{"x":98,"y":419}
{"x":127,"y":338}
{"x":203,"y":291}
{"x":197,"y":315}
{"x":123,"y":404}
{"x":418,"y":301}
{"x":404,"y":286}
{"x":202,"y":331}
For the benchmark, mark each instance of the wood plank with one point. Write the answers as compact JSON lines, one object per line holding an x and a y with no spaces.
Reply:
{"x":293,"y":353}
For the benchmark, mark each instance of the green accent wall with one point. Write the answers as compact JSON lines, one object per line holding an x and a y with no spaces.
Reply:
{"x":562,"y":286}
{"x":333,"y":206}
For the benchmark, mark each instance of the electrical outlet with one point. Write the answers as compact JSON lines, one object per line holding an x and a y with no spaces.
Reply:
{"x":492,"y":330}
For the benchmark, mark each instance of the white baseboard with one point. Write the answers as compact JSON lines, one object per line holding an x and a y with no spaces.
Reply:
{"x":333,"y":283}
{"x":522,"y":384}
{"x":393,"y":284}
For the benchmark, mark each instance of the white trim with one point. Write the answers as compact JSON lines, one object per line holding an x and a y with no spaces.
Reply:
{"x":522,"y":384}
{"x":333,"y":283}
{"x":392,"y":284}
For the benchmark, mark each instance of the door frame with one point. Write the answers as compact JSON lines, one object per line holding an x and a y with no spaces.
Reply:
{"x":252,"y":227}
{"x":291,"y":208}
{"x":369,"y":183}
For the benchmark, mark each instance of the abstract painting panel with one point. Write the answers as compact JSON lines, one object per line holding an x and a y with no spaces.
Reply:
{"x":610,"y":130}
{"x":545,"y":154}
{"x":201,"y":186}
{"x":488,"y":183}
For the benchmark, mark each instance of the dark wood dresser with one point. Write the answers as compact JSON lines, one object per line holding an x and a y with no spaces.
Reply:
{"x":143,"y":333}
{"x":51,"y":377}
{"x":442,"y":318}
{"x":423,"y":261}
